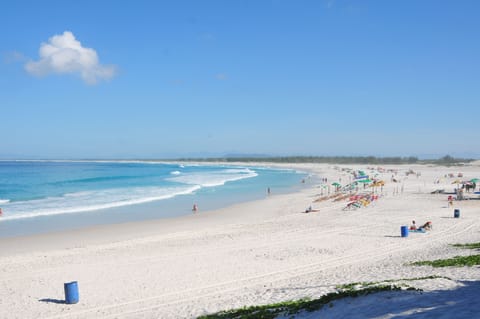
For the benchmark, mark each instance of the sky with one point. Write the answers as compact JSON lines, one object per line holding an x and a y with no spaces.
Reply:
{"x":167,"y":79}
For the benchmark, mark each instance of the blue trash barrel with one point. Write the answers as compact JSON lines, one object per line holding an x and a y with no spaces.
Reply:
{"x":71,"y":292}
{"x":456,"y":213}
{"x":404,"y":231}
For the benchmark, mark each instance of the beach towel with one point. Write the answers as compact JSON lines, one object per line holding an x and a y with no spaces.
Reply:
{"x":420,"y":230}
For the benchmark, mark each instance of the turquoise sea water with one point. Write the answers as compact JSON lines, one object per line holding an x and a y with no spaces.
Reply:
{"x":42,"y":196}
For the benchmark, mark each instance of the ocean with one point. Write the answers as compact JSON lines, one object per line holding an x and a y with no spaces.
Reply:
{"x":43,"y":196}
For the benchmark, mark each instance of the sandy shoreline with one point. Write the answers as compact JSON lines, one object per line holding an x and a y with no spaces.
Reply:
{"x":252,"y":253}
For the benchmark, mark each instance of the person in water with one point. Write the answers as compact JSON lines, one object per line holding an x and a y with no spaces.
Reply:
{"x":195,"y":208}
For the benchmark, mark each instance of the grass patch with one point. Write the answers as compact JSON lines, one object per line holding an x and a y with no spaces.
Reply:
{"x":366,"y":284}
{"x":290,"y":308}
{"x":457,"y":261}
{"x":468,"y":246}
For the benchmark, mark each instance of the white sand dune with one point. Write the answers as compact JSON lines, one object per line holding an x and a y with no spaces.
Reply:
{"x":257,"y":253}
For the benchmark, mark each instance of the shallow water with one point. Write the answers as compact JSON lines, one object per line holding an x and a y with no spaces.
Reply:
{"x":42,"y":196}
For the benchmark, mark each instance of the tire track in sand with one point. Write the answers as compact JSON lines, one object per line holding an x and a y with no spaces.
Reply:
{"x":121,"y":309}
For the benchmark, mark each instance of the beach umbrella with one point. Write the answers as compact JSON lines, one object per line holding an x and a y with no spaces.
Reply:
{"x":365,"y":181}
{"x":379,"y":183}
{"x":361,"y":177}
{"x":456,"y":181}
{"x":474,"y":180}
{"x":336,"y":184}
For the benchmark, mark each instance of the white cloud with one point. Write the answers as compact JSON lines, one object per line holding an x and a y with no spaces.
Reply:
{"x":63,"y":54}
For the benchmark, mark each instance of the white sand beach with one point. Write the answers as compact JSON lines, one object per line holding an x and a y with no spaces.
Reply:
{"x":258,"y":253}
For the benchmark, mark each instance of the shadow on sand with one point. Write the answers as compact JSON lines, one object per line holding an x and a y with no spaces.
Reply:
{"x":462,"y":302}
{"x":50,"y":300}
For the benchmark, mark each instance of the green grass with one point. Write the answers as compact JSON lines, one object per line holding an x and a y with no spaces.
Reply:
{"x":468,"y":246}
{"x":366,"y":284}
{"x":457,"y":261}
{"x":290,"y":308}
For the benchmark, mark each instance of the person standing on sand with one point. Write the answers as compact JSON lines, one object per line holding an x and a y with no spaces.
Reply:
{"x":268,"y":191}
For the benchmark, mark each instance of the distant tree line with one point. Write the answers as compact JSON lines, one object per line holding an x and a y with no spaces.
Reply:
{"x":446,"y":160}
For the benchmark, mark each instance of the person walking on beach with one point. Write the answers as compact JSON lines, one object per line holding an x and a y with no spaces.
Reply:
{"x":268,"y":191}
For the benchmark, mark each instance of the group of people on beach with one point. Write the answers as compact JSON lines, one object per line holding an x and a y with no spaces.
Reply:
{"x":426,"y":226}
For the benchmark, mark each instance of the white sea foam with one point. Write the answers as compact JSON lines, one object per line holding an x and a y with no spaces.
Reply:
{"x":91,"y":201}
{"x":211,"y":179}
{"x":186,"y":181}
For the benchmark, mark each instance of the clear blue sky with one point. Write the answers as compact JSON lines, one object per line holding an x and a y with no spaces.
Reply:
{"x":206,"y":78}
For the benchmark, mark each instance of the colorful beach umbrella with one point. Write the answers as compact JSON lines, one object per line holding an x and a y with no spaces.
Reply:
{"x":474,"y":180}
{"x":365,"y":181}
{"x":361,"y":177}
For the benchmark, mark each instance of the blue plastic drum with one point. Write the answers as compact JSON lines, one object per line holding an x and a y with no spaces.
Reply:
{"x":71,"y":292}
{"x":404,"y":231}
{"x":456,"y":213}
